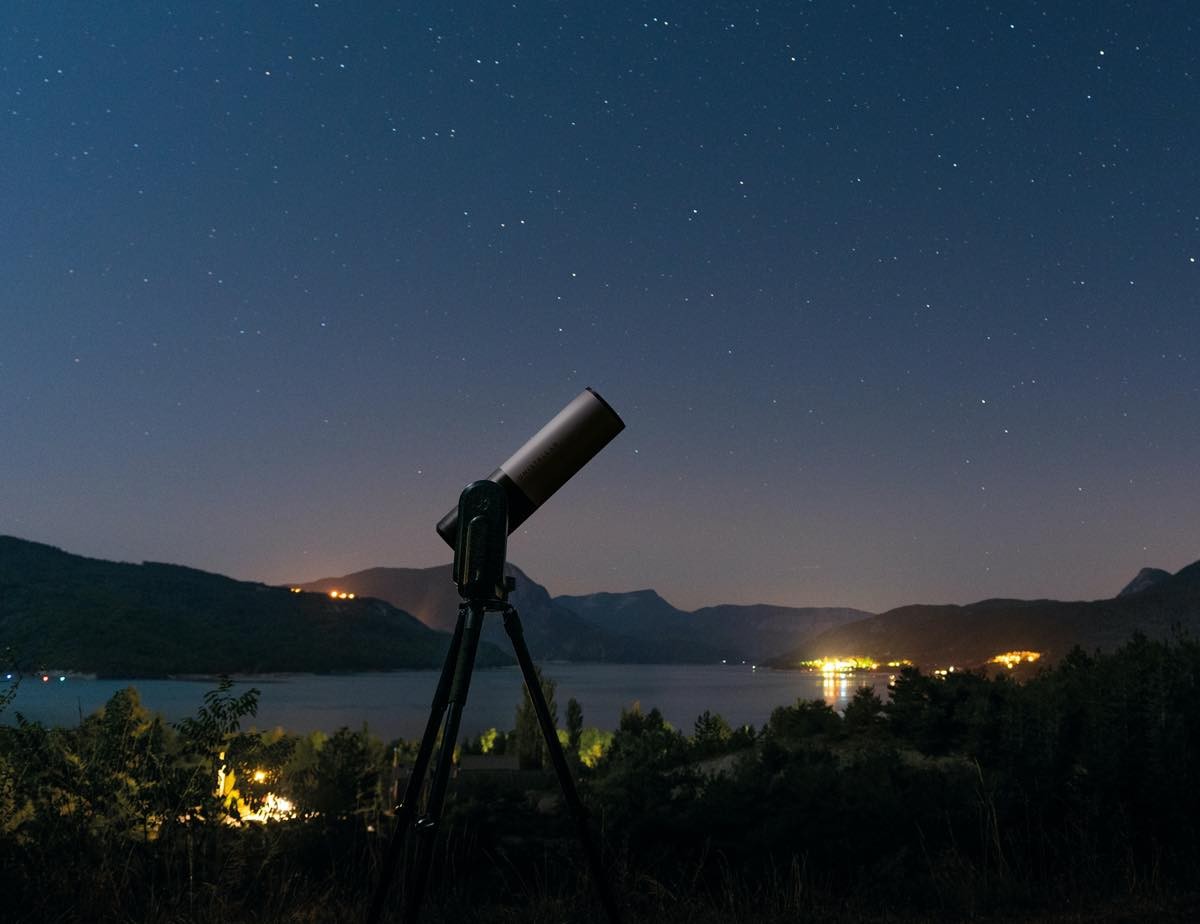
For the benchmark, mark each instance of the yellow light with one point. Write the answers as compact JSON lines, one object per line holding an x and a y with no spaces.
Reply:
{"x":351,"y":596}
{"x":841,"y":665}
{"x":1011,"y":659}
{"x":260,"y":776}
{"x":333,"y":593}
{"x":276,"y":808}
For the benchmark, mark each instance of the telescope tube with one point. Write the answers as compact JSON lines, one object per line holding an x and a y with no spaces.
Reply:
{"x":549,"y":459}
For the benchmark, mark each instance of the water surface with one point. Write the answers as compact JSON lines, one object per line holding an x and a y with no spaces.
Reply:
{"x":397,"y":704}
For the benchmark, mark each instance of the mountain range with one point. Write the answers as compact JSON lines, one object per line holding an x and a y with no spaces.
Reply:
{"x":64,"y":611}
{"x":730,"y":632}
{"x":638,"y":627}
{"x":1155,"y":603}
{"x":151,"y":619}
{"x":552,"y":631}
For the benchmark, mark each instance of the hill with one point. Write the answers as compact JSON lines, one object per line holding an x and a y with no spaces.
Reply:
{"x":968,"y":636}
{"x":65,"y":611}
{"x":728,"y":631}
{"x":553,"y":631}
{"x":1144,"y":580}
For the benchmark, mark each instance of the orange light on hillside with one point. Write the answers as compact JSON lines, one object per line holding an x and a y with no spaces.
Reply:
{"x":1011,"y":659}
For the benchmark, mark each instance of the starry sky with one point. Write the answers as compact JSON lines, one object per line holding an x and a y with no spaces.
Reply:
{"x":899,"y":301}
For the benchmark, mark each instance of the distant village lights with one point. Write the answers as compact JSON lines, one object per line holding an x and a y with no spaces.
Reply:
{"x":847,"y":664}
{"x":333,"y":594}
{"x":857,"y":663}
{"x":1011,"y":659}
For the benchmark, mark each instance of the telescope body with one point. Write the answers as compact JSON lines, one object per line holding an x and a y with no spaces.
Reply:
{"x":549,"y":459}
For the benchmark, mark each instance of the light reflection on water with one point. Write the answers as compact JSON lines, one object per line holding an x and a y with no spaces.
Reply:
{"x":838,"y":689}
{"x":397,"y":704}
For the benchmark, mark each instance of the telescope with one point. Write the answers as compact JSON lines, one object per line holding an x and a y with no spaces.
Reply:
{"x":478,"y":529}
{"x":548,"y":460}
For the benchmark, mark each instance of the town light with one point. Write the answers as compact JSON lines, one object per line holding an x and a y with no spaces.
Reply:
{"x":1011,"y":659}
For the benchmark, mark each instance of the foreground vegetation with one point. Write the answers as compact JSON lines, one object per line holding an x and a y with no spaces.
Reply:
{"x":963,"y":796}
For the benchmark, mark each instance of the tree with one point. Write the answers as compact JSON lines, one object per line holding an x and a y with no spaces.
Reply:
{"x":345,"y":777}
{"x":593,"y":742}
{"x":205,"y":737}
{"x":806,"y":719}
{"x":643,"y":777}
{"x":531,"y":746}
{"x":645,"y":740}
{"x":11,"y":678}
{"x":712,"y":734}
{"x":864,"y":711}
{"x":574,"y":726}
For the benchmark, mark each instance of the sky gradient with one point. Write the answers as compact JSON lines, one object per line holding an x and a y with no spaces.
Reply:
{"x":899,"y":303}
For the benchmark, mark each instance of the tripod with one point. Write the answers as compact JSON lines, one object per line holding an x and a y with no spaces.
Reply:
{"x":478,"y":566}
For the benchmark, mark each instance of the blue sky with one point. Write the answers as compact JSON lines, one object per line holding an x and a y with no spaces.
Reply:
{"x":899,"y":304}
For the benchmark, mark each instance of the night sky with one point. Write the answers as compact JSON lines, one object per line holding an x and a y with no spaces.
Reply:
{"x":899,"y":302}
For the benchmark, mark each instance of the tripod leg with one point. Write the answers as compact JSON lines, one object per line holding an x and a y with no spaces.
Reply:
{"x":427,"y":825}
{"x":407,"y":807}
{"x":512,"y":625}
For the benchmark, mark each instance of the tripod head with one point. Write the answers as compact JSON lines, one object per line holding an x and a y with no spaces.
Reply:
{"x":480,"y":551}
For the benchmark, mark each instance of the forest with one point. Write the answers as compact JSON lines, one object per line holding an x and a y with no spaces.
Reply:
{"x":1067,"y":796}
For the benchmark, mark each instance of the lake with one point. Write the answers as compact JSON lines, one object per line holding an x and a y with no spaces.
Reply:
{"x":397,"y":704}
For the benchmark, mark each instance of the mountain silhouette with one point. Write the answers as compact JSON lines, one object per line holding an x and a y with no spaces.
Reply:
{"x":65,"y":611}
{"x":68,"y":612}
{"x":730,"y":631}
{"x":968,"y":636}
{"x":553,"y":631}
{"x":1144,"y":580}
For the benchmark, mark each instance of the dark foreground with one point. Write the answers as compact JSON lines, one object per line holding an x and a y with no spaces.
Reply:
{"x":1070,"y":797}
